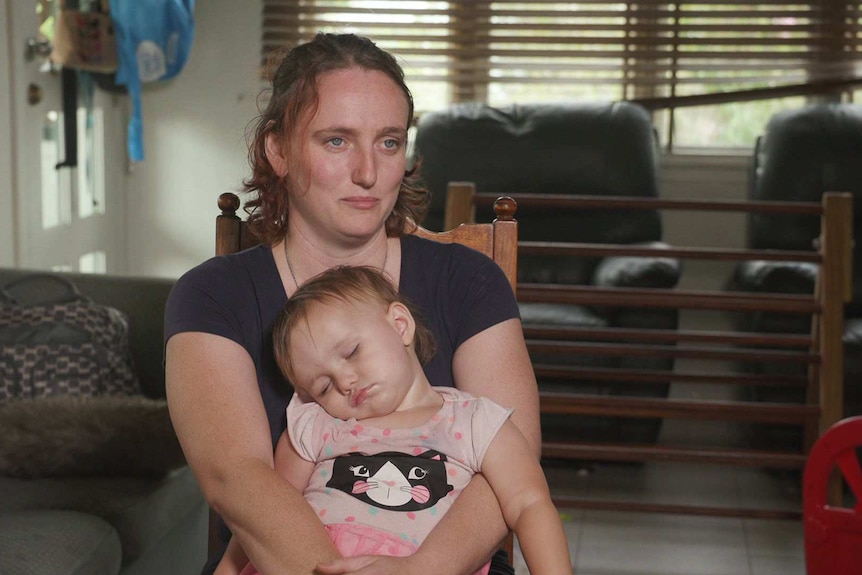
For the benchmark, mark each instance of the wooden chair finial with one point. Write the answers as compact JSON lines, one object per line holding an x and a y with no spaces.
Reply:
{"x":228,"y":203}
{"x":505,"y":208}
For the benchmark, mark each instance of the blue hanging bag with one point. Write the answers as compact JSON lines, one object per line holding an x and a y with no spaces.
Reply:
{"x":154,"y":39}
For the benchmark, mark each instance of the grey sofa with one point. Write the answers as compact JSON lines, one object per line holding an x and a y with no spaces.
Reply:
{"x":94,"y":524}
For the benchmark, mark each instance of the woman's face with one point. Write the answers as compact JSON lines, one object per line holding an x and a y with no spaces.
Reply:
{"x":346,"y":162}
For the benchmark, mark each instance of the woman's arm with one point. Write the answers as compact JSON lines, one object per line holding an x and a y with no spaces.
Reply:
{"x":290,"y":466}
{"x":520,"y":486}
{"x":221,"y":423}
{"x":495,"y":364}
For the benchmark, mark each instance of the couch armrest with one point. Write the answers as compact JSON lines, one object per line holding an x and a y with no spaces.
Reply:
{"x":638,"y":272}
{"x":775,"y":277}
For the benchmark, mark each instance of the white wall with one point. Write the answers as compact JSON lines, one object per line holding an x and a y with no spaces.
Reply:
{"x":7,"y":206}
{"x":697,"y":176}
{"x":194,"y":138}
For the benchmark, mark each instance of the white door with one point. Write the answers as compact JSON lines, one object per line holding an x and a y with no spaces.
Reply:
{"x":70,"y":217}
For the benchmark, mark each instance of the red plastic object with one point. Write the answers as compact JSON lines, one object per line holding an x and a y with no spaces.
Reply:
{"x":833,"y":535}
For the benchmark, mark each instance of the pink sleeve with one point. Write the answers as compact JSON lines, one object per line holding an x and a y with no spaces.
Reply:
{"x":488,"y":418}
{"x":303,"y":428}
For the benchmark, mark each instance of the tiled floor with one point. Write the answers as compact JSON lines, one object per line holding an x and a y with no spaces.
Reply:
{"x":625,"y":543}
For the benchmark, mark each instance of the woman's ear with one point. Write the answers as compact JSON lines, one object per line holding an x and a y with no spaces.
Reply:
{"x":403,"y":322}
{"x":275,"y":154}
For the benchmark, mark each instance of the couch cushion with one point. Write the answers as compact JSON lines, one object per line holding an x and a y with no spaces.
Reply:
{"x":141,"y":510}
{"x":553,"y":315}
{"x":803,"y":153}
{"x":57,"y":543}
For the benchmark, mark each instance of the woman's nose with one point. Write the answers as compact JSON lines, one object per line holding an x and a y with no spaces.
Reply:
{"x":365,"y":168}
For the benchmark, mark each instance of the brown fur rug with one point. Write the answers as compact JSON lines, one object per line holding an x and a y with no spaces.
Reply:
{"x":87,"y":437}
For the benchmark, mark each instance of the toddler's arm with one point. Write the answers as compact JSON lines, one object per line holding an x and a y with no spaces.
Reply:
{"x":516,"y":477}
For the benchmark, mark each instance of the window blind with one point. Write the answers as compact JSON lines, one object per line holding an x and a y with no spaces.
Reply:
{"x":506,"y":51}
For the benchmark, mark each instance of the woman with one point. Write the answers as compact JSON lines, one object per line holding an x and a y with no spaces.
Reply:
{"x":328,"y":166}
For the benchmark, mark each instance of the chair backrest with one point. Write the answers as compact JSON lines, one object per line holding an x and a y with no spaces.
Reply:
{"x":498,"y":240}
{"x":833,"y":534}
{"x":804,"y":153}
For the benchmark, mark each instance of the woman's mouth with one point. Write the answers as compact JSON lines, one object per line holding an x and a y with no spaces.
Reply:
{"x":362,"y":202}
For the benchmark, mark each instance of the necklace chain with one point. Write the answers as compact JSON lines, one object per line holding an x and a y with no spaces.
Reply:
{"x":293,"y":274}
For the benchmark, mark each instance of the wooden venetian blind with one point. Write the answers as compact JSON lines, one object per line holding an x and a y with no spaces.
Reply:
{"x":507,"y":51}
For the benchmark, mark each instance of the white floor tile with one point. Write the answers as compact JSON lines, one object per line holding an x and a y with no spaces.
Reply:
{"x":777,"y":565}
{"x":627,"y":543}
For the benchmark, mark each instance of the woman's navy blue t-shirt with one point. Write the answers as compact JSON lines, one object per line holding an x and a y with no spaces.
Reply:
{"x":458,"y":292}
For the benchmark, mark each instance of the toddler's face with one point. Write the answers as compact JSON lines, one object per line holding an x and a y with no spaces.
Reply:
{"x":354,"y":358}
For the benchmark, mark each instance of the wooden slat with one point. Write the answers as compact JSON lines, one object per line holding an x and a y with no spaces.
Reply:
{"x":568,"y":202}
{"x":836,"y":289}
{"x":582,"y":404}
{"x":665,"y":298}
{"x":669,"y":336}
{"x":835,"y":286}
{"x":714,"y":456}
{"x":563,"y":373}
{"x":608,"y":250}
{"x":581,"y":348}
{"x":568,"y":501}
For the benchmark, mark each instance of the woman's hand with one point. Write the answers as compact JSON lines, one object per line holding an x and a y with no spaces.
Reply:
{"x":370,"y":565}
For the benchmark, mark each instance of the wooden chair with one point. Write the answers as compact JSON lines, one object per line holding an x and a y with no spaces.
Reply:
{"x":833,"y":534}
{"x":498,"y":240}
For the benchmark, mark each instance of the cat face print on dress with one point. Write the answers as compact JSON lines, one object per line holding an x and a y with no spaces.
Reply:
{"x":392,"y":480}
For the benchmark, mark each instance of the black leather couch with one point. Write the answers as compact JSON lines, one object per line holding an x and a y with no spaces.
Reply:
{"x":601,"y":149}
{"x":803,"y":153}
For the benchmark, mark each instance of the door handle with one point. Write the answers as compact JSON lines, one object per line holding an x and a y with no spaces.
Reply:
{"x":34,"y":94}
{"x":36,"y":47}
